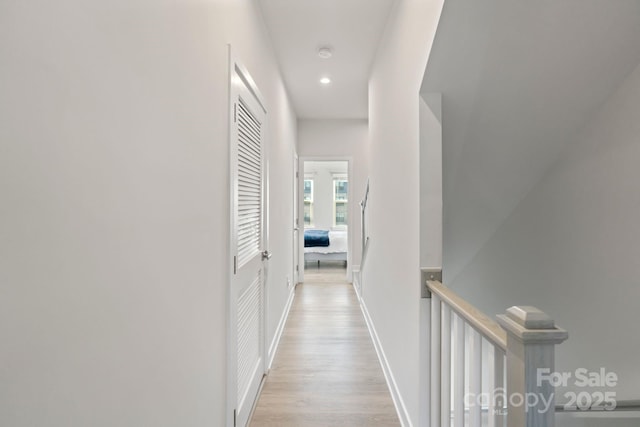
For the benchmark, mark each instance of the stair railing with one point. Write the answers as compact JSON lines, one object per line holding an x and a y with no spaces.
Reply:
{"x":516,"y":354}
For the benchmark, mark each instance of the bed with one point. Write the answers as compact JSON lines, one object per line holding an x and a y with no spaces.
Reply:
{"x":325,"y":245}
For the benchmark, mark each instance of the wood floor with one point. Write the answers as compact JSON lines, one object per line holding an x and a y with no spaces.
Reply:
{"x":326,"y":372}
{"x":327,"y":272}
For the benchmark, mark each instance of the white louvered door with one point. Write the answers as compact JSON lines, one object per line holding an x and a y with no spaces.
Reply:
{"x":248,"y":242}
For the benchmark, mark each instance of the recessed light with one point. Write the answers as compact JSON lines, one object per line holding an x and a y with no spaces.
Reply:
{"x":325,"y":80}
{"x":325,"y":52}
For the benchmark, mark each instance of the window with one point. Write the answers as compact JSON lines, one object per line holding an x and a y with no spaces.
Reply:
{"x":308,"y":202}
{"x":340,"y":201}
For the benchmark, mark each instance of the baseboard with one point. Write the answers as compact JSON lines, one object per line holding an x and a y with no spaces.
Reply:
{"x":357,"y":281}
{"x":401,"y":409}
{"x":283,"y":320}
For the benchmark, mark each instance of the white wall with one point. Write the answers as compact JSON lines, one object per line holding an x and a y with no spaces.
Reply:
{"x":540,"y":101}
{"x":431,"y":180}
{"x":341,"y":139}
{"x":571,"y":246}
{"x":391,"y":286}
{"x":323,"y":173}
{"x":114,"y":207}
{"x":518,"y":78}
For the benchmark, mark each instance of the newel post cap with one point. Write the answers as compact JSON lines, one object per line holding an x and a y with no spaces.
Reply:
{"x":531,"y":325}
{"x":530,"y":317}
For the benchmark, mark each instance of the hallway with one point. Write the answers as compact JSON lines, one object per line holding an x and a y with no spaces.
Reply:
{"x":325,"y":372}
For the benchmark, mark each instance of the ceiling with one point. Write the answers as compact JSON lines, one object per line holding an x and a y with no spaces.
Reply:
{"x":352,"y":28}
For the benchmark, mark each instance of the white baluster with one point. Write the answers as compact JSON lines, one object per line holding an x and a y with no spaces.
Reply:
{"x":475,"y":379}
{"x":436,"y":366}
{"x":445,"y":395}
{"x":458,"y":366}
{"x":497,"y":390}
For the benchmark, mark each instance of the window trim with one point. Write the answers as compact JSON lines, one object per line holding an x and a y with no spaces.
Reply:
{"x":345,"y":202}
{"x":309,"y":201}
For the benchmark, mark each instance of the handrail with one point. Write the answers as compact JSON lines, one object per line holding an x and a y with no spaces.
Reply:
{"x":482,"y":323}
{"x":363,"y":223}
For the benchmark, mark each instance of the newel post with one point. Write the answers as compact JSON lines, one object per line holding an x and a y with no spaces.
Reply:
{"x":531,"y":339}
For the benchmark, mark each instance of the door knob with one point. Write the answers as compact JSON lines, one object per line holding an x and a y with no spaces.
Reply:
{"x":266,"y":255}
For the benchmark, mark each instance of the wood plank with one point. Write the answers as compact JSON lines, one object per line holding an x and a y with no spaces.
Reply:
{"x":325,"y":372}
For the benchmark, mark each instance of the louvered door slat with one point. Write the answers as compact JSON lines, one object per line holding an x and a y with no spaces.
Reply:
{"x":249,"y":177}
{"x":248,"y":136}
{"x":251,"y":154}
{"x":249,"y":334}
{"x":248,"y":189}
{"x":249,"y":158}
{"x":249,"y":150}
{"x":249,"y":184}
{"x":249,"y":119}
{"x":251,"y":124}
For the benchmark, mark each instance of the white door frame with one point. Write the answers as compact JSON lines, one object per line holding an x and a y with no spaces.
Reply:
{"x":350,"y":232}
{"x":235,"y":66}
{"x":296,"y":222}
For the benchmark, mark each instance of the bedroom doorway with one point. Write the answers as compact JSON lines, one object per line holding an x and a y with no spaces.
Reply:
{"x":324,"y":213}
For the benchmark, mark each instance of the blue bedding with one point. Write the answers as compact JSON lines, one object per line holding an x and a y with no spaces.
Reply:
{"x":315,"y":238}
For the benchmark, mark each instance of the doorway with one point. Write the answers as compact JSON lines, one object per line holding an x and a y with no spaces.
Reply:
{"x":324,"y":216}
